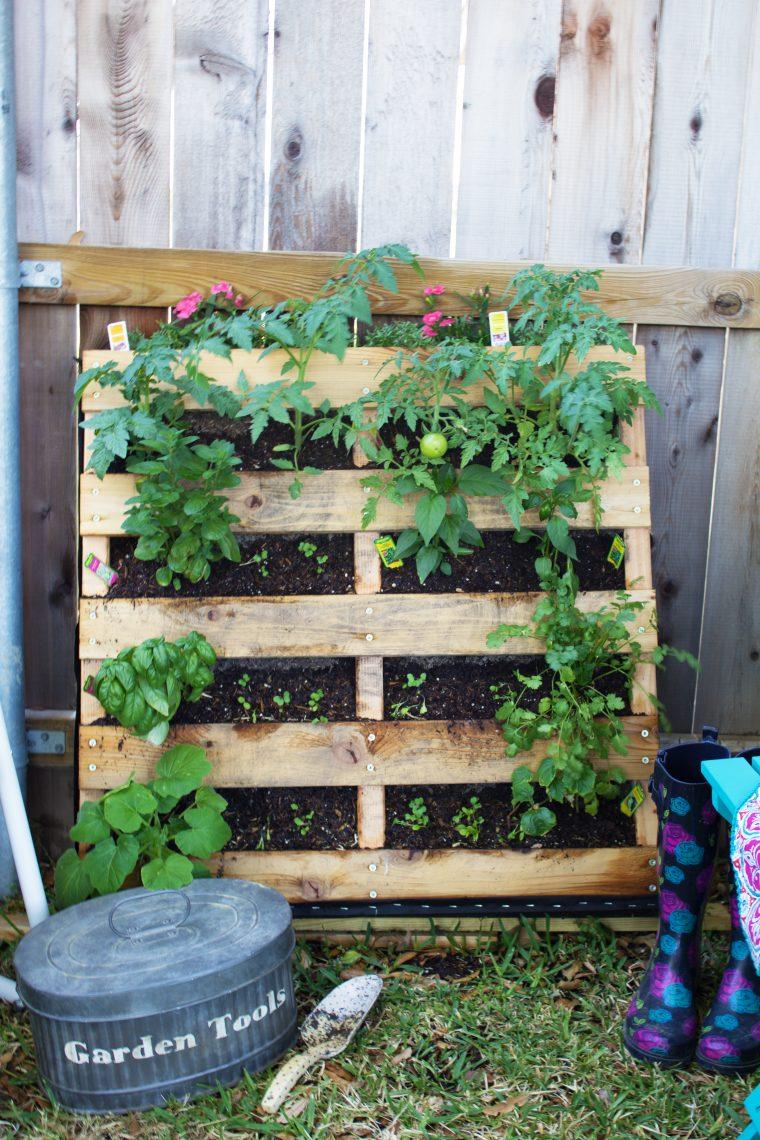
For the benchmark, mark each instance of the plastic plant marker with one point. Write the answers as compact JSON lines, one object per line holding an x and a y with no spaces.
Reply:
{"x":329,"y":1028}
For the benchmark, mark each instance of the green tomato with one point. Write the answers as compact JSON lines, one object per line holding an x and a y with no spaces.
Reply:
{"x":434,"y":445}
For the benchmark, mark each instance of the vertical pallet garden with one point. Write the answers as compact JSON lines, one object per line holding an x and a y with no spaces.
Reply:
{"x":372,"y":627}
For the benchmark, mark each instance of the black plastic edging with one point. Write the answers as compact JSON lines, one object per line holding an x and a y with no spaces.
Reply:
{"x":565,"y":907}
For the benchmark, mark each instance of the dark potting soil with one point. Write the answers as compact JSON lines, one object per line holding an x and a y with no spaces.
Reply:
{"x":264,"y":819}
{"x":506,"y":566}
{"x":255,"y":682}
{"x":459,"y":688}
{"x":574,"y":828}
{"x":258,"y":456}
{"x":270,"y":566}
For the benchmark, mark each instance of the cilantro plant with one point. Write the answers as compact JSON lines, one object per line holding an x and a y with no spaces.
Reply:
{"x":143,"y":686}
{"x":416,"y":816}
{"x":145,"y":828}
{"x":300,"y":327}
{"x":580,"y":717}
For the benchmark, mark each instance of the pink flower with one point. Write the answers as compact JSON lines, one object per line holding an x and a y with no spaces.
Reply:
{"x":434,"y":290}
{"x":188,"y":305}
{"x":432,"y":318}
{"x":428,"y":331}
{"x":239,"y":301}
{"x":446,"y":321}
{"x":224,"y":288}
{"x":716,"y":1048}
{"x":673,"y":834}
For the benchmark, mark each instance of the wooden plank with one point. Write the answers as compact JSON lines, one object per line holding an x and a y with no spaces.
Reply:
{"x":604,"y":106}
{"x":684,"y":367}
{"x":125,"y":84}
{"x":314,"y":184}
{"x":370,"y":798}
{"x":360,"y":371}
{"x":337,"y":754}
{"x":314,"y":626}
{"x":729,"y":681}
{"x":333,"y":502}
{"x":220,"y":64}
{"x":317,"y":876}
{"x":747,"y":230}
{"x":703,"y":54}
{"x":51,"y":779}
{"x":412,"y":63}
{"x":648,"y":294}
{"x":505,"y":174}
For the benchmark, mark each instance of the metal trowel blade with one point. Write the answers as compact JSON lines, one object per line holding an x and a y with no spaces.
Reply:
{"x":334,"y":1022}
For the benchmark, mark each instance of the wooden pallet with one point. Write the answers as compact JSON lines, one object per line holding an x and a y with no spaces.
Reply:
{"x":369,"y":754}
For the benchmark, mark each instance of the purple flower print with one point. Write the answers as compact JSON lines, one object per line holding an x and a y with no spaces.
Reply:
{"x":718,"y":1049}
{"x":661,"y":977}
{"x":669,"y":901}
{"x":709,"y":814}
{"x":650,"y":1040}
{"x":730,"y":983}
{"x":673,"y":834}
{"x":689,"y":1025}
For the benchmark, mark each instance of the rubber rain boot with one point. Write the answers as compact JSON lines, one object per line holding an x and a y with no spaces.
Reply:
{"x":730,"y":1038}
{"x":661,"y":1023}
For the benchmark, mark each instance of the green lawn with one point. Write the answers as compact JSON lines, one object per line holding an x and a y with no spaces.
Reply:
{"x":521,"y":1040}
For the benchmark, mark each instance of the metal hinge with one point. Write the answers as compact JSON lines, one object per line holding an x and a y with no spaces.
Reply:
{"x":39,"y":274}
{"x":41,"y":742}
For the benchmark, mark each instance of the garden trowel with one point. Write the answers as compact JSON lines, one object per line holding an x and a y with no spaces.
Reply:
{"x":329,"y":1028}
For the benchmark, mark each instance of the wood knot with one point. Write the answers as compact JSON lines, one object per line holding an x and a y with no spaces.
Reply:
{"x":696,"y":355}
{"x":253,"y":502}
{"x":312,"y":889}
{"x":599,"y":35}
{"x":616,"y":237}
{"x":754,"y":655}
{"x":294,"y":145}
{"x":669,"y":589}
{"x":211,"y":615}
{"x":543,"y":96}
{"x":728,"y":304}
{"x":695,"y":124}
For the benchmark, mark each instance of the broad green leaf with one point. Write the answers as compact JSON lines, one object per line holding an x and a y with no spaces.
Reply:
{"x":126,"y":809}
{"x":477,"y":480}
{"x":429,"y":514}
{"x":167,"y":873}
{"x":72,"y":882}
{"x":537,"y":821}
{"x":206,"y":832}
{"x":181,"y":770}
{"x":109,"y":863}
{"x":91,"y":825}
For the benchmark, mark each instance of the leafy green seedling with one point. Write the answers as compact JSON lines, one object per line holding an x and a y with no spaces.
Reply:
{"x":468,"y":821}
{"x":416,"y":816}
{"x":315,"y":701}
{"x":301,"y":820}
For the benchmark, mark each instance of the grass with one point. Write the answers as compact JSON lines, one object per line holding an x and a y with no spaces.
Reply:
{"x":521,"y":1040}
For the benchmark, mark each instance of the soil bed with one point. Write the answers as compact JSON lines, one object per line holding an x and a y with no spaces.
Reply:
{"x":610,"y":828}
{"x":258,"y":456}
{"x":258,"y":680}
{"x":262,"y":819}
{"x":459,"y":688}
{"x":506,"y":566}
{"x":282,"y":571}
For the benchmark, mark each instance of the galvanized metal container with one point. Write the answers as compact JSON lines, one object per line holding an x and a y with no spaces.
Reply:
{"x":147,"y":996}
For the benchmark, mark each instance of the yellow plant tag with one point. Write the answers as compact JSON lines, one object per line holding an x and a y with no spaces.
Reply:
{"x":617,"y":552}
{"x":118,"y":337}
{"x":633,"y":800}
{"x":498,"y":324}
{"x":386,"y":548}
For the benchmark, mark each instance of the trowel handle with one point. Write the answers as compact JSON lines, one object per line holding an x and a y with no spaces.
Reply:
{"x":289,"y":1075}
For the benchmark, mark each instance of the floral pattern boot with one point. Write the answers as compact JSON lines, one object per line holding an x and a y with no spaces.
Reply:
{"x":661,"y":1023}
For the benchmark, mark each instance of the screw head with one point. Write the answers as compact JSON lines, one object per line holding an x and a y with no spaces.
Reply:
{"x":653,"y":886}
{"x":373,"y":866}
{"x":55,"y":281}
{"x":637,"y":482}
{"x":365,"y":363}
{"x":629,"y":359}
{"x":369,"y":637}
{"x":96,"y":394}
{"x":652,"y":862}
{"x":641,"y":629}
{"x":369,"y":610}
{"x":96,"y":518}
{"x":367,"y":490}
{"x":371,"y":736}
{"x":92,"y":767}
{"x":645,"y":732}
{"x":39,"y":267}
{"x":637,"y":510}
{"x":93,"y":614}
{"x":373,"y":894}
{"x":365,"y":391}
{"x":370,"y":767}
{"x":93,"y":641}
{"x":92,"y":742}
{"x":644,"y":759}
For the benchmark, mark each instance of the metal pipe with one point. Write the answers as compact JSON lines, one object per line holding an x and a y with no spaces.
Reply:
{"x":20,"y":836}
{"x":11,"y":621}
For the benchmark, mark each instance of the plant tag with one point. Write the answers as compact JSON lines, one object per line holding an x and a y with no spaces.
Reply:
{"x":617,"y":552}
{"x":386,"y":548}
{"x":89,"y":685}
{"x":118,"y":337}
{"x":498,"y":323}
{"x":105,"y":573}
{"x":633,"y":800}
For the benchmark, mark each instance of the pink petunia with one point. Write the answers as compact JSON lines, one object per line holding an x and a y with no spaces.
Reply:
{"x":446,"y":322}
{"x":188,"y":305}
{"x":434,"y":290}
{"x":224,"y":288}
{"x":239,"y":301}
{"x":432,"y":318}
{"x":428,"y":331}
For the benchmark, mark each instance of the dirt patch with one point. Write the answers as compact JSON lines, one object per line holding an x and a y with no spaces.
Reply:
{"x":266,"y":819}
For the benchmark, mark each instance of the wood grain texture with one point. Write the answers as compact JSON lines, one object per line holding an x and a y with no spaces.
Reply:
{"x":370,"y":798}
{"x":412,"y":64}
{"x":333,"y":502}
{"x":684,"y":367}
{"x":604,"y":104}
{"x":46,"y":119}
{"x":314,"y":626}
{"x":505,"y":177}
{"x":360,"y":371}
{"x":729,"y":681}
{"x":317,"y":876}
{"x":125,"y":82}
{"x":220,"y":71}
{"x":651,"y":295}
{"x":747,"y":229}
{"x":703,"y":56}
{"x":316,"y":108}
{"x":337,"y":755}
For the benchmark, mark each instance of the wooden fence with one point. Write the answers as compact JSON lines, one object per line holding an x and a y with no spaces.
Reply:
{"x":615,"y":134}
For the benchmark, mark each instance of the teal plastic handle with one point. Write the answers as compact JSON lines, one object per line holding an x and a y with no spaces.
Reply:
{"x":732,"y":781}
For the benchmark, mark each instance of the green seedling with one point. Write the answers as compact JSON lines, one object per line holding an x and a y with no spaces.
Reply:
{"x":301,"y":820}
{"x":315,"y":700}
{"x":416,"y":816}
{"x":468,"y":821}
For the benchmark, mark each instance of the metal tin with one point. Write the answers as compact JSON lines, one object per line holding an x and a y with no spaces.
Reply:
{"x":147,"y":996}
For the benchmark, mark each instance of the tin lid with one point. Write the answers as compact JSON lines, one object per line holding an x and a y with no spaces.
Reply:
{"x":141,"y":951}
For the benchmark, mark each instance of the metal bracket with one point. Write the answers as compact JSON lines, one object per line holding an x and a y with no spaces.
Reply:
{"x":40,"y":742}
{"x":39,"y":274}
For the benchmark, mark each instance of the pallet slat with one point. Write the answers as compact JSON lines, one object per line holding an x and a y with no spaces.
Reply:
{"x":332,"y":503}
{"x":315,"y":876}
{"x":330,"y":625}
{"x":338,"y":754}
